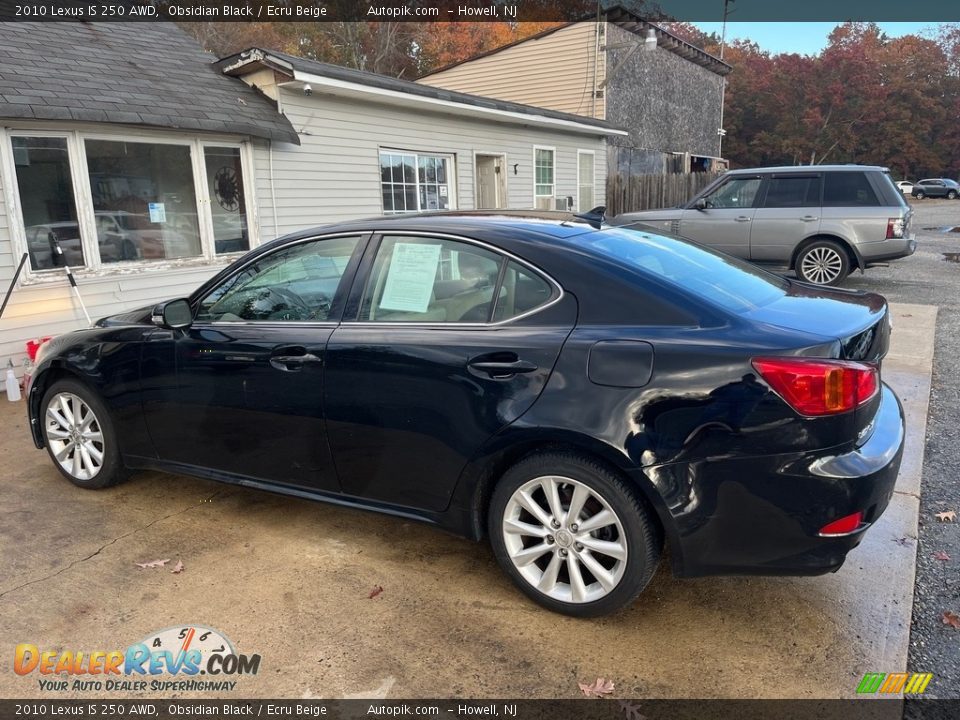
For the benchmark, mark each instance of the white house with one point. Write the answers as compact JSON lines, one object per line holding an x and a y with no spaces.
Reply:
{"x":152,"y":166}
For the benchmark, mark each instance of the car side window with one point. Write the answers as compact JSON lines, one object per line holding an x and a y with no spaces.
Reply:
{"x":793,"y":191}
{"x":435,"y":280}
{"x":735,"y":193}
{"x":848,"y":189}
{"x":293,"y":284}
{"x":521,"y":291}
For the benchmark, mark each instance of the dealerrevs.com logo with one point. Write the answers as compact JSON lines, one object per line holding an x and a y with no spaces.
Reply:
{"x":198,"y":657}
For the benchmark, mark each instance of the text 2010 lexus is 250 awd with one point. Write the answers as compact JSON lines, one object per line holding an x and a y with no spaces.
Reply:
{"x":578,"y":393}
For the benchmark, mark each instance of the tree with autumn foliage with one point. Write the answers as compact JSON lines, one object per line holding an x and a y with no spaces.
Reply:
{"x":866,"y":98}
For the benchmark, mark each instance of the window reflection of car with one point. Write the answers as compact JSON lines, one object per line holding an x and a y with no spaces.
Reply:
{"x":40,"y":240}
{"x":230,"y":233}
{"x":141,"y":239}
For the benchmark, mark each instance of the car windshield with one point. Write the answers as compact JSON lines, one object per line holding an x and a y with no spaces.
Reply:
{"x":717,"y":278}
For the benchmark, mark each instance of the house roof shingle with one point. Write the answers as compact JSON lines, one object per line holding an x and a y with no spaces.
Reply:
{"x":150,"y":74}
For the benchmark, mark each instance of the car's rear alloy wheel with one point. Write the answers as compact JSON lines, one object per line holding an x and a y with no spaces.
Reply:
{"x":79,"y":436}
{"x":572,"y":535}
{"x":952,"y":195}
{"x":823,"y":263}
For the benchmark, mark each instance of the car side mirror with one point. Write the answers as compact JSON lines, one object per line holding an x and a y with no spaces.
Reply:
{"x":700,"y":204}
{"x":173,"y":314}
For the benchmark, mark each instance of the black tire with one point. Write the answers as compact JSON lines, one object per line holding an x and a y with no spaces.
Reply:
{"x":641,"y":536}
{"x":823,"y":262}
{"x":952,"y":195}
{"x":919,"y":195}
{"x":111,"y":470}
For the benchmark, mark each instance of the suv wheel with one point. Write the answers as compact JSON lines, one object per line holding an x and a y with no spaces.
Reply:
{"x":823,"y":262}
{"x":952,"y":195}
{"x":919,"y":195}
{"x":572,"y":535}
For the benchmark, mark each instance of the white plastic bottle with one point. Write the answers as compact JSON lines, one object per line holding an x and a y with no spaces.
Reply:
{"x":13,"y":385}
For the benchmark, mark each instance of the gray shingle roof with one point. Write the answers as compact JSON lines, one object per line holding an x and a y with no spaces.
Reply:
{"x":385,"y":82}
{"x":131,"y":73}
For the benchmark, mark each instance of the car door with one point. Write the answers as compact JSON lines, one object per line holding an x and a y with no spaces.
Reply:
{"x":724,"y":220}
{"x":246,"y":393}
{"x":788,"y":212}
{"x":445,"y":341}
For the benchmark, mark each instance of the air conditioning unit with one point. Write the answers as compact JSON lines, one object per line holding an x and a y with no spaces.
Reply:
{"x":564,"y":203}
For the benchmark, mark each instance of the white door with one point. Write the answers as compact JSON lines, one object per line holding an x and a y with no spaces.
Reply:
{"x":586,"y":181}
{"x":490,"y":193}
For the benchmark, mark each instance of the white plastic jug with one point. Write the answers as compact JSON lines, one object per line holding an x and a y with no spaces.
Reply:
{"x":13,"y":386}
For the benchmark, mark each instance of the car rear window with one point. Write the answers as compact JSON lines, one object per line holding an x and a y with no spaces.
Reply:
{"x":848,"y":189}
{"x":717,"y":278}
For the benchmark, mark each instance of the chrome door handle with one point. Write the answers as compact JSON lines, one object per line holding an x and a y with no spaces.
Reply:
{"x":809,"y":218}
{"x":742,"y":218}
{"x":293,"y":363}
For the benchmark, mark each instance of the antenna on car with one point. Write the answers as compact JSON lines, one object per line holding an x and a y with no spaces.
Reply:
{"x":595,"y":218}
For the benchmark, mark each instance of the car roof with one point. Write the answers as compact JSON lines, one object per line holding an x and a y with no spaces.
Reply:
{"x":810,"y":168}
{"x":554,"y":224}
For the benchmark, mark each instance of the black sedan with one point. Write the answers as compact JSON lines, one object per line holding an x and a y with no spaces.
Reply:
{"x":580,"y":394}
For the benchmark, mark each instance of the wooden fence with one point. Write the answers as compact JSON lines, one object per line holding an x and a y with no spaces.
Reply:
{"x":629,"y":193}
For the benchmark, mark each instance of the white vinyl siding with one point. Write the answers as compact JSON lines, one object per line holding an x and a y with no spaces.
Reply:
{"x":555,"y":71}
{"x":335,"y":175}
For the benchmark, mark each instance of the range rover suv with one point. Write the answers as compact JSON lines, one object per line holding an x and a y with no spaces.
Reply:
{"x":821,"y":221}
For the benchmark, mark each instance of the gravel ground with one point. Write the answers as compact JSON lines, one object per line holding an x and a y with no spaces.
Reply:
{"x":930,"y":277}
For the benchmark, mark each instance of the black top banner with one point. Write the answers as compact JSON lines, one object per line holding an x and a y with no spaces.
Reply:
{"x":471,"y":10}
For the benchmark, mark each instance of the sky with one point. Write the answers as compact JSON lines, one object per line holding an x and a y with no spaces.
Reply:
{"x":806,"y":38}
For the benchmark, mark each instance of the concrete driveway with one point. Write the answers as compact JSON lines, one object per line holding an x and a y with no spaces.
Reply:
{"x":290,"y":580}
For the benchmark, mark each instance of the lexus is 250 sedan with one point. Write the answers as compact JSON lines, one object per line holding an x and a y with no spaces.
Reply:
{"x":580,"y":394}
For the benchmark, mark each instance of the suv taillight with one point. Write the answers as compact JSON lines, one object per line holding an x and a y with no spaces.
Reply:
{"x":815,"y":387}
{"x":895,"y":228}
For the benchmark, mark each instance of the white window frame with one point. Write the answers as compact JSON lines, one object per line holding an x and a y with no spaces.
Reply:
{"x":83,"y":198}
{"x":451,"y":183}
{"x":553,"y":185}
{"x":593,"y":154}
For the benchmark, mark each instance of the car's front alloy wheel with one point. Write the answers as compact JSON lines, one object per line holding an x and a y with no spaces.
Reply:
{"x":572,"y":535}
{"x":79,"y":436}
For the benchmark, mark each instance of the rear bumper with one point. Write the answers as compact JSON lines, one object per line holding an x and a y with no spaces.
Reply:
{"x":762,"y":515}
{"x":891,"y":249}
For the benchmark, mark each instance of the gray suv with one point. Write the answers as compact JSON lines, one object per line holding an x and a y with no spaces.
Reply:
{"x":821,"y":221}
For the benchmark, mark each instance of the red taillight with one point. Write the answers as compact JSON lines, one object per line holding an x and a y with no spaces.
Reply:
{"x":843,"y":526}
{"x":819,"y":387}
{"x":895,"y":228}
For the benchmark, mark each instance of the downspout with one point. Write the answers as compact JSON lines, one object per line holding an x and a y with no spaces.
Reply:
{"x":273,"y":186}
{"x":596,"y":61}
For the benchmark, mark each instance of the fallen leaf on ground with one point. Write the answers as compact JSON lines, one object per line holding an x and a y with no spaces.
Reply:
{"x":901,"y":541}
{"x":946,"y":516}
{"x":951,"y":619}
{"x":600,"y":688}
{"x":178,"y":568}
{"x":941,"y":555}
{"x":153,"y":563}
{"x":377,"y":589}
